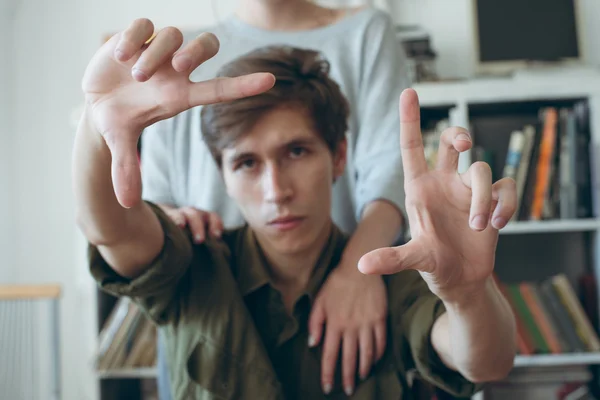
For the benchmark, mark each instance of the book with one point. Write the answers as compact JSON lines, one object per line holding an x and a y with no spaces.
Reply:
{"x":127,"y":339}
{"x":550,"y":318}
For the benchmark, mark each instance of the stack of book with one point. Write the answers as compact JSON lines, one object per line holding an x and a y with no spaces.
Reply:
{"x":127,"y":340}
{"x":543,"y":383}
{"x":550,"y":318}
{"x":550,"y":162}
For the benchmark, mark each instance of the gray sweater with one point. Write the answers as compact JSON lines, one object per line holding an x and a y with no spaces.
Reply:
{"x":368,"y":64}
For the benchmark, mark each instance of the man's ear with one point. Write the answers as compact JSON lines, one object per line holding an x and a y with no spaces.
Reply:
{"x":339,"y":159}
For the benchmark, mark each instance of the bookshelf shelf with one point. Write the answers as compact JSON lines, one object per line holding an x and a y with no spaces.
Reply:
{"x":520,"y":362}
{"x":136,"y":373}
{"x":574,"y":225}
{"x":552,"y":360}
{"x":491,"y":90}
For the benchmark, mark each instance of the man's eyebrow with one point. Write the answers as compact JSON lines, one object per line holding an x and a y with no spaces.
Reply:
{"x":303,"y":141}
{"x":236,"y":157}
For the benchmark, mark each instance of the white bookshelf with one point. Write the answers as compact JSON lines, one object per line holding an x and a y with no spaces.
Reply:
{"x":543,"y":360}
{"x":134,"y":373}
{"x":542,"y":238}
{"x":558,"y":85}
{"x":459,"y":97}
{"x":520,"y":362}
{"x":557,"y":360}
{"x":522,"y":227}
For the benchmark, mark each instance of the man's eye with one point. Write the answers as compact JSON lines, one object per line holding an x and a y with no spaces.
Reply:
{"x":297,"y":152}
{"x":246,"y":164}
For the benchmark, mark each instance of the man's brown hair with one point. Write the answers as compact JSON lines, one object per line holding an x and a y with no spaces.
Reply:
{"x":302,"y":80}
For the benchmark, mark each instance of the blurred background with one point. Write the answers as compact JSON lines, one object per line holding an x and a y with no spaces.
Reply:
{"x":495,"y":72}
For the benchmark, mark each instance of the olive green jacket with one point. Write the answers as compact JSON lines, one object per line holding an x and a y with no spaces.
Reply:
{"x":228,"y":335}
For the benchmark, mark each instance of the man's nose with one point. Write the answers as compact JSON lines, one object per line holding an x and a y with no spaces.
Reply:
{"x":276,"y":187}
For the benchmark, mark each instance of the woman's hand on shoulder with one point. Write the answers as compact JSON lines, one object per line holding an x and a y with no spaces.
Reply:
{"x":201,"y":223}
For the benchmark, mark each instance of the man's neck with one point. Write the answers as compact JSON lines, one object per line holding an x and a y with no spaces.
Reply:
{"x":285,"y":15}
{"x":291,"y":272}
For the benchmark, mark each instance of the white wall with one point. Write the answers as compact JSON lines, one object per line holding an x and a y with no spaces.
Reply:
{"x":53,"y":40}
{"x":7,"y":261}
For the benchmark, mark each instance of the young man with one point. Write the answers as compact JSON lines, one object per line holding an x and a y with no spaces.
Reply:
{"x":234,"y":311}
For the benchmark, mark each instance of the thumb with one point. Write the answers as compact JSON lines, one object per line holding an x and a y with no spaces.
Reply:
{"x":390,"y":260}
{"x":315,"y":325}
{"x":125,"y":168}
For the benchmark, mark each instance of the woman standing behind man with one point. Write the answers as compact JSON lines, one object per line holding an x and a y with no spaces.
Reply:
{"x":178,"y":172}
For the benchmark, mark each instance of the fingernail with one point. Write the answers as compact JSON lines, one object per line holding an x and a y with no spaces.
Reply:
{"x":139,"y":75}
{"x":198,"y":238}
{"x":463,"y":136}
{"x":184,"y":62}
{"x":119,"y":54}
{"x":218,"y":233}
{"x":499,"y":222}
{"x":478,"y":222}
{"x":327,"y":388}
{"x":215,"y":40}
{"x":349,"y":390}
{"x":311,"y":341}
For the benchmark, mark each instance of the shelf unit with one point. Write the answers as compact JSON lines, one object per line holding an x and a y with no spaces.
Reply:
{"x":138,"y":373}
{"x":570,"y":246}
{"x":122,"y":384}
{"x":528,"y":250}
{"x":520,"y":362}
{"x":556,"y":226}
{"x":557,"y":360}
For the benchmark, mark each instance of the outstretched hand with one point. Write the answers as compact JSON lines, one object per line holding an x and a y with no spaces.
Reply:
{"x":135,"y":80}
{"x":454,"y":218}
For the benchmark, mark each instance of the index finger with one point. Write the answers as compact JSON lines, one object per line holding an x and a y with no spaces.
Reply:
{"x":411,"y":140}
{"x":219,"y":90}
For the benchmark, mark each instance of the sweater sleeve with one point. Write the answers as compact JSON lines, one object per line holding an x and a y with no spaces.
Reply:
{"x":383,"y":76}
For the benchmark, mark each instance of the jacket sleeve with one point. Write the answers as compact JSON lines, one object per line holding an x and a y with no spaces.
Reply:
{"x":414,"y":309}
{"x":157,"y":289}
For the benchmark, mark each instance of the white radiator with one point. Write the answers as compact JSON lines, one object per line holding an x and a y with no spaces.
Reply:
{"x":29,"y":343}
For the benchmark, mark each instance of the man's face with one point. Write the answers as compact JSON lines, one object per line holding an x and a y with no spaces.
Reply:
{"x":280,"y":174}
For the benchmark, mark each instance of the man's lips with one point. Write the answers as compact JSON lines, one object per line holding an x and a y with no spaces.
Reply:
{"x":286,"y":223}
